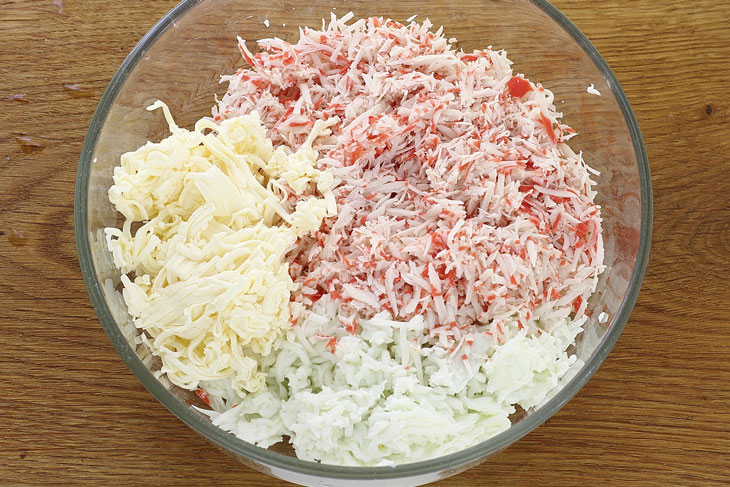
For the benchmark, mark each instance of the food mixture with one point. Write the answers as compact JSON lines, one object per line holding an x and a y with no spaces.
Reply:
{"x":379,"y":247}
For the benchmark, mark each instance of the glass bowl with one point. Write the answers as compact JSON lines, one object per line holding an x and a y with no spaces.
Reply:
{"x":180,"y":62}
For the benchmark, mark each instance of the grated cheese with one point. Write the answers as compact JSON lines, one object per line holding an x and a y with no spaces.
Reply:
{"x":211,"y":286}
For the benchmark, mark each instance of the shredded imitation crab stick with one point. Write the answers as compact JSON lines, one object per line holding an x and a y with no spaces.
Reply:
{"x":458,"y":197}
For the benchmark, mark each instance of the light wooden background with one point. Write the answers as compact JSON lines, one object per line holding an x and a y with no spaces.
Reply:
{"x":656,"y":413}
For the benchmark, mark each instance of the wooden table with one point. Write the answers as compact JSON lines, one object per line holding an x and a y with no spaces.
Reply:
{"x":656,"y":413}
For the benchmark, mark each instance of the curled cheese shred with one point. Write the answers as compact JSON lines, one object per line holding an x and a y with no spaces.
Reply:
{"x":211,"y":288}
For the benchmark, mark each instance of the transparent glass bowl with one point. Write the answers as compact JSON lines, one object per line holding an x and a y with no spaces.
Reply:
{"x":180,"y":62}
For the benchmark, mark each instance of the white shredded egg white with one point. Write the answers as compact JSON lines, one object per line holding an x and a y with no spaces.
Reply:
{"x":386,"y":396}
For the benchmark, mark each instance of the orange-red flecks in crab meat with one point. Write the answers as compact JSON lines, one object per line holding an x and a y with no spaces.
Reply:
{"x":518,"y":86}
{"x":557,"y":220}
{"x":576,"y":303}
{"x":331,"y":344}
{"x":304,"y":123}
{"x":344,"y":258}
{"x":203,"y":395}
{"x":581,"y":229}
{"x":548,"y":127}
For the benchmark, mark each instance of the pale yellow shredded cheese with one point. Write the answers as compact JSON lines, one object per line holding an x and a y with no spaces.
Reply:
{"x":211,"y":287}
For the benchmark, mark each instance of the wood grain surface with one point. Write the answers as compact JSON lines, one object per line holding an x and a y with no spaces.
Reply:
{"x":656,"y":413}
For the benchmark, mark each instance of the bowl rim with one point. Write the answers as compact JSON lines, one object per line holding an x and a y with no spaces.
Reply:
{"x":276,"y":460}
